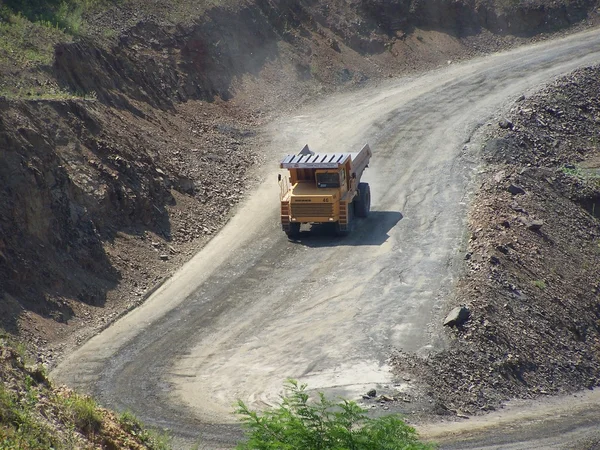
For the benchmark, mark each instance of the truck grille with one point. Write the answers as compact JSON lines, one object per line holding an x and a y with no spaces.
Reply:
{"x":312,"y":210}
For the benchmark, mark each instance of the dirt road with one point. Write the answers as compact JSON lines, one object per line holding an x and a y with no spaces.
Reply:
{"x":253,"y":308}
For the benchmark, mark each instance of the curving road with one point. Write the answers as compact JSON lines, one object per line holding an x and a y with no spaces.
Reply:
{"x":252,"y":308}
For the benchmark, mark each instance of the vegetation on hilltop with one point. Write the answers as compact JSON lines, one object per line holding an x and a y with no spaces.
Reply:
{"x":65,"y":15}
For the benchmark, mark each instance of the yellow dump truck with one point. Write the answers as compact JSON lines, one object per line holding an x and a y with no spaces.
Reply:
{"x":324,"y":188}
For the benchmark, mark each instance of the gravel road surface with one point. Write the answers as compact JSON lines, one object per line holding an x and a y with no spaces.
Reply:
{"x":253,"y":308}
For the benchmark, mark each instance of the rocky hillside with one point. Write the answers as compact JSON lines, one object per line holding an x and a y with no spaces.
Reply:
{"x":94,"y":196}
{"x":532,"y":284}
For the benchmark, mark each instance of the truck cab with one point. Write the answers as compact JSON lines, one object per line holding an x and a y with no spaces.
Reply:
{"x":324,"y":188}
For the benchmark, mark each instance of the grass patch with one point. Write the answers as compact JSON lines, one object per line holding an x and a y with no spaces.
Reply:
{"x":584,"y":174}
{"x":8,"y":340}
{"x":21,"y":350}
{"x":83,"y":412}
{"x":33,"y":415}
{"x":86,"y":414}
{"x":540,"y":284}
{"x":46,"y":93}
{"x":25,"y":44}
{"x":66,"y":15}
{"x":153,"y":439}
{"x":19,"y":425}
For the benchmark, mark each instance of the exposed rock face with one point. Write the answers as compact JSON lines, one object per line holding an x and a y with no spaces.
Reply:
{"x":47,"y":227}
{"x":162,"y":66}
{"x":76,"y":176}
{"x":471,"y":16}
{"x":165,"y":64}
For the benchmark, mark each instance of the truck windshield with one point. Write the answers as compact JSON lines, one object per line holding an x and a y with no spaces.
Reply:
{"x":328,"y":180}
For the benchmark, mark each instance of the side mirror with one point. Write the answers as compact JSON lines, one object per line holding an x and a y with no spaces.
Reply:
{"x":278,"y":177}
{"x":354,"y":175}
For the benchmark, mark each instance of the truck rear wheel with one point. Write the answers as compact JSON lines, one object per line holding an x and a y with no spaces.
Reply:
{"x":363,"y":200}
{"x":294,"y":230}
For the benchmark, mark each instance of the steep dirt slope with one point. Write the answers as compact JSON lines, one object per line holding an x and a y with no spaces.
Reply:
{"x":94,"y":197}
{"x":533,"y":259}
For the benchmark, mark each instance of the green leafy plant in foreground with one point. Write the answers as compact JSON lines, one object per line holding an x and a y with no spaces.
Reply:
{"x":300,"y":424}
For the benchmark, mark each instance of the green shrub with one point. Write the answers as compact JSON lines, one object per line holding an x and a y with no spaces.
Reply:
{"x":69,"y":17}
{"x":540,"y":284}
{"x":298,"y":424}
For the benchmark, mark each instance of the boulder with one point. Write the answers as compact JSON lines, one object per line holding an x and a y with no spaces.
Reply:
{"x":457,"y":316}
{"x":535,"y":225}
{"x":532,"y":224}
{"x":516,"y":190}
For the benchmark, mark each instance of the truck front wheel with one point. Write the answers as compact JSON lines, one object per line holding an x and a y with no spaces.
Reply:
{"x":294,"y":230}
{"x":363,"y":200}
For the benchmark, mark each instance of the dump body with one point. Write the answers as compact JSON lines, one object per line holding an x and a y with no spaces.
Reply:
{"x":323,"y":188}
